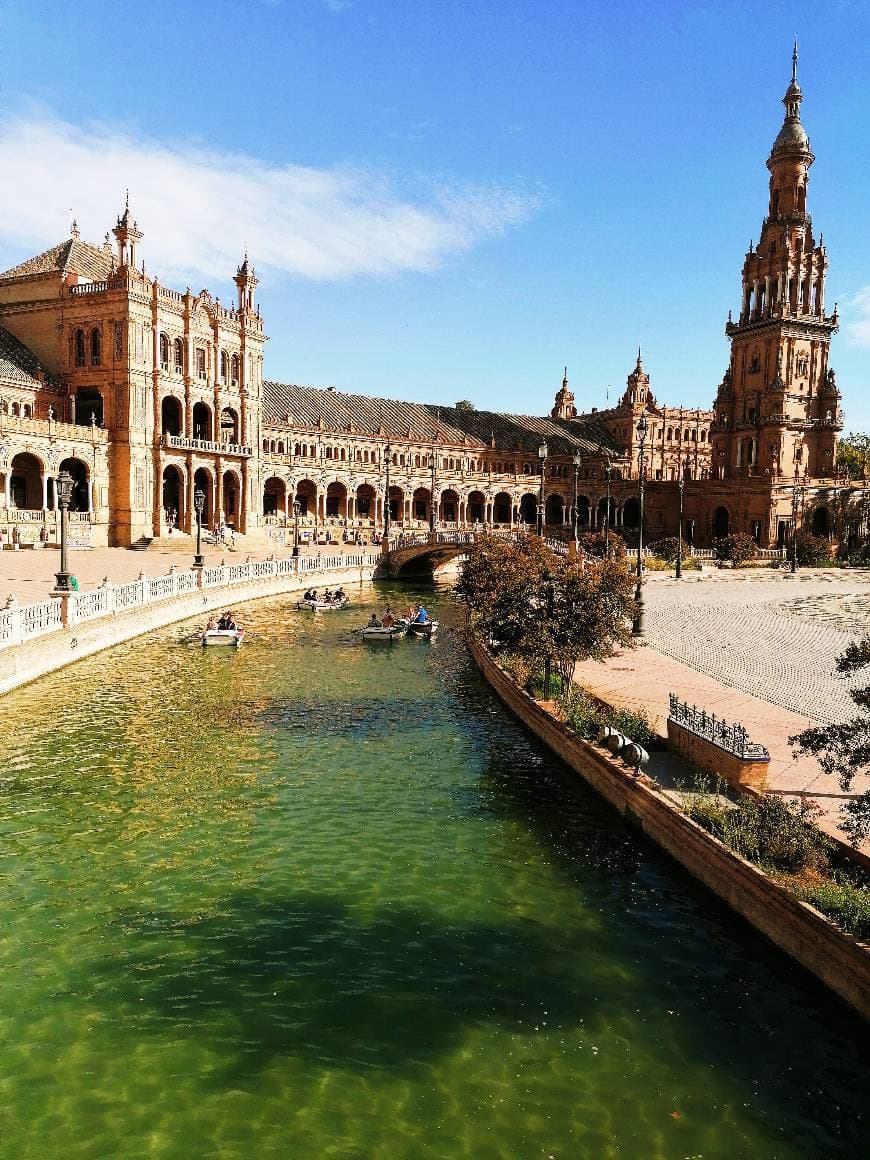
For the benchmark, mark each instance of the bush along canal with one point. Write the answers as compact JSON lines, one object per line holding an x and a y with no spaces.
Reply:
{"x":318,"y":897}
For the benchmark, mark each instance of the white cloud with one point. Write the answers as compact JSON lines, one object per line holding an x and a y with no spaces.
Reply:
{"x":857,"y":314}
{"x":200,"y":207}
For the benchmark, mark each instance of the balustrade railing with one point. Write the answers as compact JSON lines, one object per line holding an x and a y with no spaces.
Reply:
{"x":182,"y":443}
{"x":20,"y":623}
{"x":733,"y":738}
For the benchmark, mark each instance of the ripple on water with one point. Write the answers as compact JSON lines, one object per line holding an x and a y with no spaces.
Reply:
{"x":319,"y":899}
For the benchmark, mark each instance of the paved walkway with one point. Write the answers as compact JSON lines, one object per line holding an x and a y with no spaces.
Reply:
{"x":773,"y":636}
{"x":28,"y":574}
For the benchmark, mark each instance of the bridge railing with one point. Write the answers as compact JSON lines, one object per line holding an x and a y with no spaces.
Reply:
{"x":21,"y":623}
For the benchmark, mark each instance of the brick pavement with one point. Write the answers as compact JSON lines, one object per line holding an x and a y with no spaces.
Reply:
{"x":737,"y":647}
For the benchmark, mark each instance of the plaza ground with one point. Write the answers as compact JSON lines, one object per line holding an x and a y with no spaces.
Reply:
{"x":754,"y":646}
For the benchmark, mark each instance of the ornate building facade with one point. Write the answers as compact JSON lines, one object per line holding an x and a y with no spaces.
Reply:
{"x":148,"y":395}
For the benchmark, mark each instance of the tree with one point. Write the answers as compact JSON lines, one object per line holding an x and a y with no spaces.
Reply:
{"x":811,"y":550}
{"x":853,"y":455}
{"x":844,"y":749}
{"x":465,"y":405}
{"x":546,"y":609}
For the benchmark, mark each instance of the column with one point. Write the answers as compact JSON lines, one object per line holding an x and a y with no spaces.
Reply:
{"x":44,"y":481}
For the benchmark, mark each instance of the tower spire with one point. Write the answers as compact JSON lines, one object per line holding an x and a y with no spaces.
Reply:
{"x":794,"y":60}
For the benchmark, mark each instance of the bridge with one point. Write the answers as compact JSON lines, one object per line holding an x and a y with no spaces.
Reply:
{"x":412,"y":551}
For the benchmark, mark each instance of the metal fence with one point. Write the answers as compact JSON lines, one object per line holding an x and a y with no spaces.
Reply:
{"x":732,"y":738}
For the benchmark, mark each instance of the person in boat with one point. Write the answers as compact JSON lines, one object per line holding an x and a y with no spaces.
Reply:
{"x":410,"y":613}
{"x":212,"y":624}
{"x":340,"y":596}
{"x":421,"y":616}
{"x":227,"y":622}
{"x":374,"y":622}
{"x":388,"y":620}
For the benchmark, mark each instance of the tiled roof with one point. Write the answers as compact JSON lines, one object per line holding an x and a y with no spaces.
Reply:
{"x":419,"y":422}
{"x":70,"y":257}
{"x":17,"y":363}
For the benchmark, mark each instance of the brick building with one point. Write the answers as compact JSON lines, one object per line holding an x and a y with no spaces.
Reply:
{"x":147,"y":395}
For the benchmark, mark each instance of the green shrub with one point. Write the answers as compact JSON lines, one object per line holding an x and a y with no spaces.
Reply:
{"x":774,"y":833}
{"x":812,"y":550}
{"x":738,"y":548}
{"x":667,"y":549}
{"x":847,"y":904}
{"x":593,"y":543}
{"x":536,"y":685}
{"x":586,"y":716}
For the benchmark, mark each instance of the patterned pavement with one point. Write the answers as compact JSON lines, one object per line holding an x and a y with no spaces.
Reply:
{"x":770,"y":636}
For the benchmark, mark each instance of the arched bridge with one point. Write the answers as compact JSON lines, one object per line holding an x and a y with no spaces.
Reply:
{"x":426,"y":550}
{"x":432,"y":550}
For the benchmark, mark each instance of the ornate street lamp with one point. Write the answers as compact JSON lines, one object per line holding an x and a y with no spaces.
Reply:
{"x":543,"y":451}
{"x":678,"y":571}
{"x":796,"y":497}
{"x":637,"y":624}
{"x":578,"y":459}
{"x":198,"y":506}
{"x":432,"y":490}
{"x":608,"y":471}
{"x":388,"y":451}
{"x":64,"y":488}
{"x":297,"y":511}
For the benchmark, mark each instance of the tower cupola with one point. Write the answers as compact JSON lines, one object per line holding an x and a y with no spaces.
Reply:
{"x":247,"y":281}
{"x":127,"y":234}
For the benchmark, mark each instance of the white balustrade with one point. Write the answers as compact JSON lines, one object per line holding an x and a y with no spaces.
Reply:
{"x":38,"y":619}
{"x":87,"y":605}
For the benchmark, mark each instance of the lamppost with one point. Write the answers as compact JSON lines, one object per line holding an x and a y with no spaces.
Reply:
{"x":432,"y":490}
{"x":637,"y":623}
{"x":608,"y":470}
{"x":678,"y":570}
{"x":198,"y":505}
{"x":64,"y":487}
{"x":578,"y":459}
{"x":796,"y":497}
{"x":542,"y":455}
{"x":388,"y":451}
{"x":297,"y":511}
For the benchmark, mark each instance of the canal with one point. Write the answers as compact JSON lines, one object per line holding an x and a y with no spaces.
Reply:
{"x":325,"y":899}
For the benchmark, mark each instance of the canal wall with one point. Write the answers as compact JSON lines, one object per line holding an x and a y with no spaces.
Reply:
{"x":840,"y":961}
{"x":61,"y":631}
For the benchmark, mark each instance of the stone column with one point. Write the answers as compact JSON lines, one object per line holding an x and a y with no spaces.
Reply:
{"x":44,"y":481}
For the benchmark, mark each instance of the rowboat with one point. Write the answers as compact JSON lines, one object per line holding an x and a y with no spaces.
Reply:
{"x":321,"y":605}
{"x":226,"y":637}
{"x":426,"y":628}
{"x":381,"y":632}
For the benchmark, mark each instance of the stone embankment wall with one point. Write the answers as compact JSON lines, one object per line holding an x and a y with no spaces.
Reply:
{"x":63,"y":644}
{"x":740,"y":772}
{"x":841,"y":962}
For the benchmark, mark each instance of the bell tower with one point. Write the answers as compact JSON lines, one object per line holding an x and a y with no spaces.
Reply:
{"x":778,"y":408}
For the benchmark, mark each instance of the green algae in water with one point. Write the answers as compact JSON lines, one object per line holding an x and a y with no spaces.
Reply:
{"x":320,"y":899}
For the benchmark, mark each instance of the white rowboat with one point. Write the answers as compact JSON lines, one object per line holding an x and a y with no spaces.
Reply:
{"x":227,"y":637}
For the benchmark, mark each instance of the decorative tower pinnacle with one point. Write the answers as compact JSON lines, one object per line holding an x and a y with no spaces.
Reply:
{"x":563,"y":407}
{"x":127,"y":234}
{"x":637,"y":393}
{"x":247,"y":281}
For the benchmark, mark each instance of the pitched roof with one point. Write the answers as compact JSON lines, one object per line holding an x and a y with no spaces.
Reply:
{"x":72,"y":256}
{"x":17,"y":363}
{"x":421,"y":422}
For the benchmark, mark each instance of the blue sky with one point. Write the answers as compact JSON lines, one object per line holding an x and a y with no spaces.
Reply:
{"x":448,"y":199}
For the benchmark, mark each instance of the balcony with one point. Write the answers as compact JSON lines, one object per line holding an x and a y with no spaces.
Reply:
{"x":205,"y":446}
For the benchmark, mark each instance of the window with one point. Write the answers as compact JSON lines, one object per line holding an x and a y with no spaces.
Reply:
{"x":79,"y":344}
{"x":234,"y":370}
{"x":96,"y":347}
{"x":200,"y":363}
{"x":179,"y":357}
{"x":225,"y":363}
{"x":164,"y":352}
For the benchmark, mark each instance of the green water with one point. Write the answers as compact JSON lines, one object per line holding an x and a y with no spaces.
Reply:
{"x":322,"y":899}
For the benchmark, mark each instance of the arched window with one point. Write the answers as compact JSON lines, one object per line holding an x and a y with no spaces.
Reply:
{"x":265,"y":444}
{"x":80,"y":348}
{"x":225,"y":366}
{"x":96,"y":347}
{"x":164,"y":352}
{"x":26,"y":411}
{"x":234,"y":370}
{"x":179,"y":356}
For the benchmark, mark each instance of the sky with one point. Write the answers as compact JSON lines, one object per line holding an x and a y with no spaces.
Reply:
{"x":449,"y":199}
